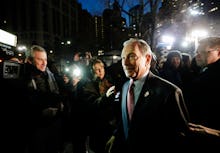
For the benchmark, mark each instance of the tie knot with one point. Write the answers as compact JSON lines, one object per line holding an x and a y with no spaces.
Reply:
{"x":131,"y":84}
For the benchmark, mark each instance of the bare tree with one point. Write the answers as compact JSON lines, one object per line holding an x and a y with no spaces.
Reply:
{"x":149,"y":10}
{"x":148,"y":17}
{"x":154,"y":5}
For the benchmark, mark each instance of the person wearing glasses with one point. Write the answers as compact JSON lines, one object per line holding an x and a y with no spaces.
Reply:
{"x":158,"y":117}
{"x":202,"y":96}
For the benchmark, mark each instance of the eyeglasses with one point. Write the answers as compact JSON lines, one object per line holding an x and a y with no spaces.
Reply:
{"x":131,"y":57}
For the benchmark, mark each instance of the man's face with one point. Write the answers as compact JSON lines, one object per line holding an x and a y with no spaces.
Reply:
{"x":40,"y":61}
{"x":134,"y":63}
{"x":206,"y":55}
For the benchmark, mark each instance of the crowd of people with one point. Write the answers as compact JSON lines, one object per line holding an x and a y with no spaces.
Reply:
{"x":174,"y":105}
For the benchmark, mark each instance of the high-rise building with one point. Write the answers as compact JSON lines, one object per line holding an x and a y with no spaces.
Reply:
{"x":46,"y":23}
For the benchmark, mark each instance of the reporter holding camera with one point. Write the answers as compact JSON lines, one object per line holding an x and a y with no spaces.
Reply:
{"x":99,"y":108}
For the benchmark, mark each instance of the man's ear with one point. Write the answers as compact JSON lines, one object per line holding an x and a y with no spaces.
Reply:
{"x":219,"y":52}
{"x":148,"y":58}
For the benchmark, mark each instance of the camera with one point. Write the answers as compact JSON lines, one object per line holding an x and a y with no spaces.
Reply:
{"x":11,"y":70}
{"x":8,"y":69}
{"x":74,"y":71}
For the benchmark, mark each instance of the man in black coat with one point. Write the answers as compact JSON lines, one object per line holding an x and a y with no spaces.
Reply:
{"x":44,"y":104}
{"x":158,"y":119}
{"x":203,"y":94}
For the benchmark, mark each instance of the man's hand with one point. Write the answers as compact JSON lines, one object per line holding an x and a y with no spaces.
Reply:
{"x":203,"y":130}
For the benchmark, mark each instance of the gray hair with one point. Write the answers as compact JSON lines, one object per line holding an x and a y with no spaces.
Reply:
{"x":142,"y":45}
{"x":35,"y":48}
{"x":212,"y":42}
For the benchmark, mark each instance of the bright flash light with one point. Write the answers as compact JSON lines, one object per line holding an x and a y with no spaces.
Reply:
{"x":168,"y":39}
{"x":168,"y":47}
{"x":184,"y":44}
{"x":199,"y":33}
{"x":68,"y":42}
{"x":22,"y":48}
{"x":114,"y":57}
{"x":76,"y":72}
{"x":194,"y":12}
{"x":67,"y":69}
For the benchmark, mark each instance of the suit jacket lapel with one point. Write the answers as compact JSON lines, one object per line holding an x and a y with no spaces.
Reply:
{"x":145,"y":93}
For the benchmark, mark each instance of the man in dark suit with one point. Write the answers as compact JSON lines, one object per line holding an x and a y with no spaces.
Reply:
{"x":202,"y":96}
{"x":158,"y":120}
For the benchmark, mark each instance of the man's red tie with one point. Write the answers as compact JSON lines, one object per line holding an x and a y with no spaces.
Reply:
{"x":130,"y":99}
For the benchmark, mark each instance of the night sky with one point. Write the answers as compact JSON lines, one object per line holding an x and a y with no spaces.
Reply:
{"x":96,"y":7}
